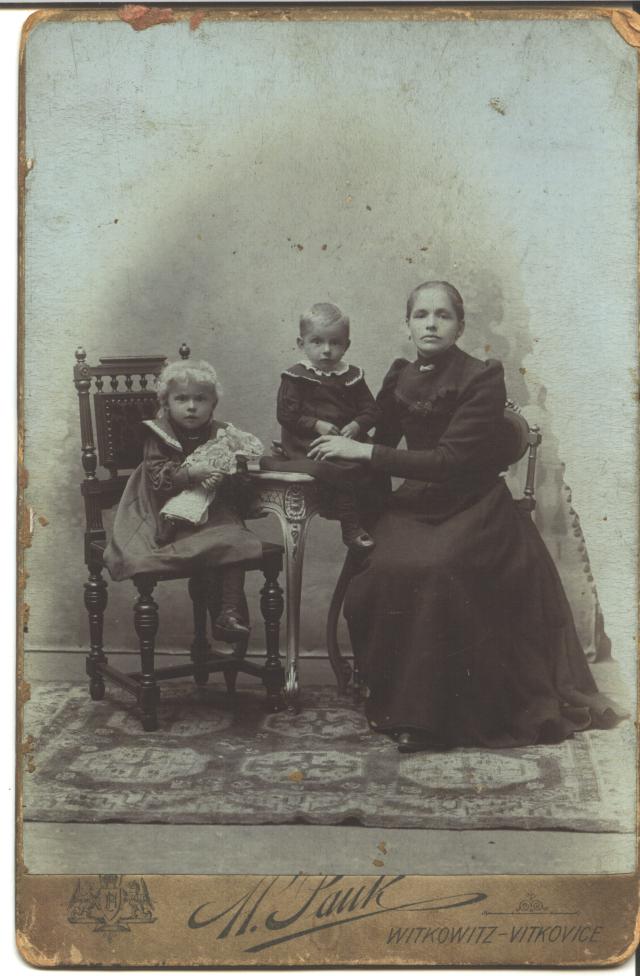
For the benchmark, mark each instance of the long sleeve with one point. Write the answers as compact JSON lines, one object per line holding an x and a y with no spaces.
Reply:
{"x":467,"y":441}
{"x":164,"y":469}
{"x":367,"y":413}
{"x":290,"y":409}
{"x":388,"y":430}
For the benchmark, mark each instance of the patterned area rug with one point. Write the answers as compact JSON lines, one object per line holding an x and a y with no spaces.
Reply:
{"x":215,"y":762}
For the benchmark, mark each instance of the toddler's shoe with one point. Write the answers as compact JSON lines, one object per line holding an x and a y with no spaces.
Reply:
{"x":357,"y":539}
{"x":410,"y":742}
{"x":230,"y":628}
{"x":414,"y":740}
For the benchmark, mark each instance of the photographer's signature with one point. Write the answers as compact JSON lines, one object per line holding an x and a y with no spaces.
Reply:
{"x":313,"y":904}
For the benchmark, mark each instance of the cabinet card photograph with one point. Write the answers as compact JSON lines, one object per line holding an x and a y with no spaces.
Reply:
{"x":328,"y":426}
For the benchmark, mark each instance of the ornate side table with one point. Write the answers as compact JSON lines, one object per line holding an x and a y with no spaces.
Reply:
{"x":294,"y":499}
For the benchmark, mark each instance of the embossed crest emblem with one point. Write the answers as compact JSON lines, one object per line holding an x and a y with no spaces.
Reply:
{"x":294,"y":502}
{"x":111,"y":904}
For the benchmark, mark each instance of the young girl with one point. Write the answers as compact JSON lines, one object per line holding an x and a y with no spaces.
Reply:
{"x":143,"y":541}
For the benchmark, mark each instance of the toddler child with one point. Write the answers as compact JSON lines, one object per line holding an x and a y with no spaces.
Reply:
{"x":188,"y":453}
{"x":321,"y":394}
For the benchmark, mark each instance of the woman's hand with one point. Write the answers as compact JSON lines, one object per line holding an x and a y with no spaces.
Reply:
{"x":339,"y":447}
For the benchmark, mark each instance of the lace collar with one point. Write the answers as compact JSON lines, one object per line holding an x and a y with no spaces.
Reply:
{"x":340,"y":369}
{"x":164,"y":429}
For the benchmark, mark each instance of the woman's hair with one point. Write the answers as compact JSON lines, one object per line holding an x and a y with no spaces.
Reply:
{"x":185,"y":371}
{"x":453,"y":293}
{"x":323,"y":314}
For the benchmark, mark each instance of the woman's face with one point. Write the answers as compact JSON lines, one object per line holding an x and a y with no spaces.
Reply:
{"x":434,"y":325}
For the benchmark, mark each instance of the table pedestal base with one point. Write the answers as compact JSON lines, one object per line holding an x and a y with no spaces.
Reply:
{"x":293,"y":498}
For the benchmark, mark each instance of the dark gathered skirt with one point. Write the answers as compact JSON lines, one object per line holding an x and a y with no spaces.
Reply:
{"x":223,"y":540}
{"x":462,"y":631}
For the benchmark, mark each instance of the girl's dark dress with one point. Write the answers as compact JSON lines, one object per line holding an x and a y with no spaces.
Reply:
{"x":222,"y":540}
{"x":458,"y":619}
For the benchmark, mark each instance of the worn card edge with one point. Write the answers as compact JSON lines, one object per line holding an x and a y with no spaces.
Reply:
{"x":624,"y":21}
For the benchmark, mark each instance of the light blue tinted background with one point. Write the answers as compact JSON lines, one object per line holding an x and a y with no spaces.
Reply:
{"x":185,"y":184}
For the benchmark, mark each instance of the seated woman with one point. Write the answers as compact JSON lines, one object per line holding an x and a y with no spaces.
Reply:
{"x":458,"y":619}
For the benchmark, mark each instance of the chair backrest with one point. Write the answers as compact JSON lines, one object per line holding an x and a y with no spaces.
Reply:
{"x":514,"y":434}
{"x":111,"y":420}
{"x":516,"y":438}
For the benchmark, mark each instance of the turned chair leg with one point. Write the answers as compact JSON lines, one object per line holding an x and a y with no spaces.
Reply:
{"x":145,"y":617}
{"x":272,"y":606}
{"x":199,"y":592}
{"x":95,"y":600}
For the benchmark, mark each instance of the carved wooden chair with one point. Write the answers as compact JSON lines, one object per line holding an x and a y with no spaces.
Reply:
{"x":116,"y":413}
{"x":516,"y":439}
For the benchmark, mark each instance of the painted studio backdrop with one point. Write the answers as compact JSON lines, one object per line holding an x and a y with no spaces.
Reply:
{"x":209,"y":184}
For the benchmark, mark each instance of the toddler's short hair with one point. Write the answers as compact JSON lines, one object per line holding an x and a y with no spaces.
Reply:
{"x":322,"y":314}
{"x":185,"y":371}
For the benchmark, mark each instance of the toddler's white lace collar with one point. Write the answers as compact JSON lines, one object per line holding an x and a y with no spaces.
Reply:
{"x":341,"y":368}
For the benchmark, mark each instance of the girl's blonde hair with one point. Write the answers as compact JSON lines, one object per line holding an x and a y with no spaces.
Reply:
{"x":185,"y":371}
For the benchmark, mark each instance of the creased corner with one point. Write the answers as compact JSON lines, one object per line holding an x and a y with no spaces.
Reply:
{"x":627,"y":24}
{"x":32,"y":954}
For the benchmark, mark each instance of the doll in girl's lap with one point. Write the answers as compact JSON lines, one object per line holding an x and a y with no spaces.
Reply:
{"x":144,"y":540}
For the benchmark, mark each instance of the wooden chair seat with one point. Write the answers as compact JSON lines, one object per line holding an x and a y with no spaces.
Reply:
{"x":270,"y":550}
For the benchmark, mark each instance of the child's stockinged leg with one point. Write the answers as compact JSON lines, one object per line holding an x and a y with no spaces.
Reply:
{"x":166,"y":531}
{"x":353,"y":535}
{"x":214,"y":594}
{"x":230,"y":625}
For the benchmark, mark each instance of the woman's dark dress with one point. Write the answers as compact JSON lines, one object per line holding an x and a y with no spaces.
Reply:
{"x":458,"y":620}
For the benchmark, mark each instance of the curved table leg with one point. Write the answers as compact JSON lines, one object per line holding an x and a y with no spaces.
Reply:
{"x":294,"y":532}
{"x":341,"y":667}
{"x":294,"y":501}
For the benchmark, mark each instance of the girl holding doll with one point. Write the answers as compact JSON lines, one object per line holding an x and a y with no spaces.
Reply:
{"x":188,"y":457}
